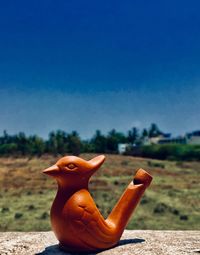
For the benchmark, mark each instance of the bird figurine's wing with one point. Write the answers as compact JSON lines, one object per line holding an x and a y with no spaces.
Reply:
{"x":87,"y":223}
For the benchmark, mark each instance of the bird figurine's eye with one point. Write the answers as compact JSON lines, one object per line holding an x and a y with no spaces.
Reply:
{"x":71,"y":166}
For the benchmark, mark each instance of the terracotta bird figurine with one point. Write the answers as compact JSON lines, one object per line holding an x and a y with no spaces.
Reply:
{"x":75,"y":219}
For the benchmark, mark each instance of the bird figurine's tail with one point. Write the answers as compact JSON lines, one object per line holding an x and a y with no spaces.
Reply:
{"x":130,"y":198}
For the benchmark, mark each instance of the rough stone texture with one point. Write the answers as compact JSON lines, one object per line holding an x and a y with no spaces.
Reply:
{"x":135,"y":242}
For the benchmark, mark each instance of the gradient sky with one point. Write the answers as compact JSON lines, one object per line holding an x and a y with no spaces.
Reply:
{"x":87,"y":65}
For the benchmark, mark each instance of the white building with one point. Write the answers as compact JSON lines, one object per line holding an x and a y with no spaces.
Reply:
{"x":193,"y":138}
{"x":122,"y":147}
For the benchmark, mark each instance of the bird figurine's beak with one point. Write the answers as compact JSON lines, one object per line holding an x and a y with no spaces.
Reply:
{"x":51,"y":170}
{"x":96,"y":162}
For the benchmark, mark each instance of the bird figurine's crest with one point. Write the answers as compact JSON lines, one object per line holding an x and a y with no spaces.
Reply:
{"x":75,"y":219}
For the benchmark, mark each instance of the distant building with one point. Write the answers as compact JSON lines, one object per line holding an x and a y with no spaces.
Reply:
{"x":193,"y":138}
{"x":176,"y":140}
{"x":162,"y":138}
{"x":122,"y":147}
{"x":145,"y":140}
{"x":165,"y":139}
{"x":189,"y":138}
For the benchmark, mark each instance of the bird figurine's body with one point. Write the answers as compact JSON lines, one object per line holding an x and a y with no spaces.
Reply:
{"x":75,"y":219}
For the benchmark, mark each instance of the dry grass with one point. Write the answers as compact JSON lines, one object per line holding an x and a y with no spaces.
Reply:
{"x":172,"y":201}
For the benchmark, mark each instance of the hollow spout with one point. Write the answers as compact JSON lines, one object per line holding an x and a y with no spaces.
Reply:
{"x":122,"y":211}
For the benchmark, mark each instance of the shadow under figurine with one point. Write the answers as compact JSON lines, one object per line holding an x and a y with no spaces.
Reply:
{"x":76,"y":221}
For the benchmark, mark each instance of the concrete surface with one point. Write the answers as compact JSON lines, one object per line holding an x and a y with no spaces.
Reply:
{"x":133,"y":242}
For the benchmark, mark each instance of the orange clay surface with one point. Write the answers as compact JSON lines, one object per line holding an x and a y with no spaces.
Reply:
{"x":75,"y":219}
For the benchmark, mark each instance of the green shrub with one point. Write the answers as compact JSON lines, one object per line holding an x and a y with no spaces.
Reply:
{"x":156,"y":164}
{"x":178,"y":152}
{"x":7,"y":149}
{"x":5,"y":209}
{"x":31,"y":207}
{"x":18,"y":215}
{"x":174,"y":211}
{"x":44,"y":216}
{"x":183,"y":217}
{"x":160,"y":208}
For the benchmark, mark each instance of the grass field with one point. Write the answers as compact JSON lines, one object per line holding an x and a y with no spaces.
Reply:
{"x":171,"y":202}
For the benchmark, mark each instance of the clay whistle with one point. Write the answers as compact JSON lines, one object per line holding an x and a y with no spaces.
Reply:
{"x":75,"y":219}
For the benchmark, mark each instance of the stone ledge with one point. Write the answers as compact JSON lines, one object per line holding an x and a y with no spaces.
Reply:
{"x":133,"y":242}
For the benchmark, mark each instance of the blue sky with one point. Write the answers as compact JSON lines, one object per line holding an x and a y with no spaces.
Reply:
{"x":87,"y":65}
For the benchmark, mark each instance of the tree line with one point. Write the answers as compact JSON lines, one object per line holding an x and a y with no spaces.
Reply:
{"x":61,"y":142}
